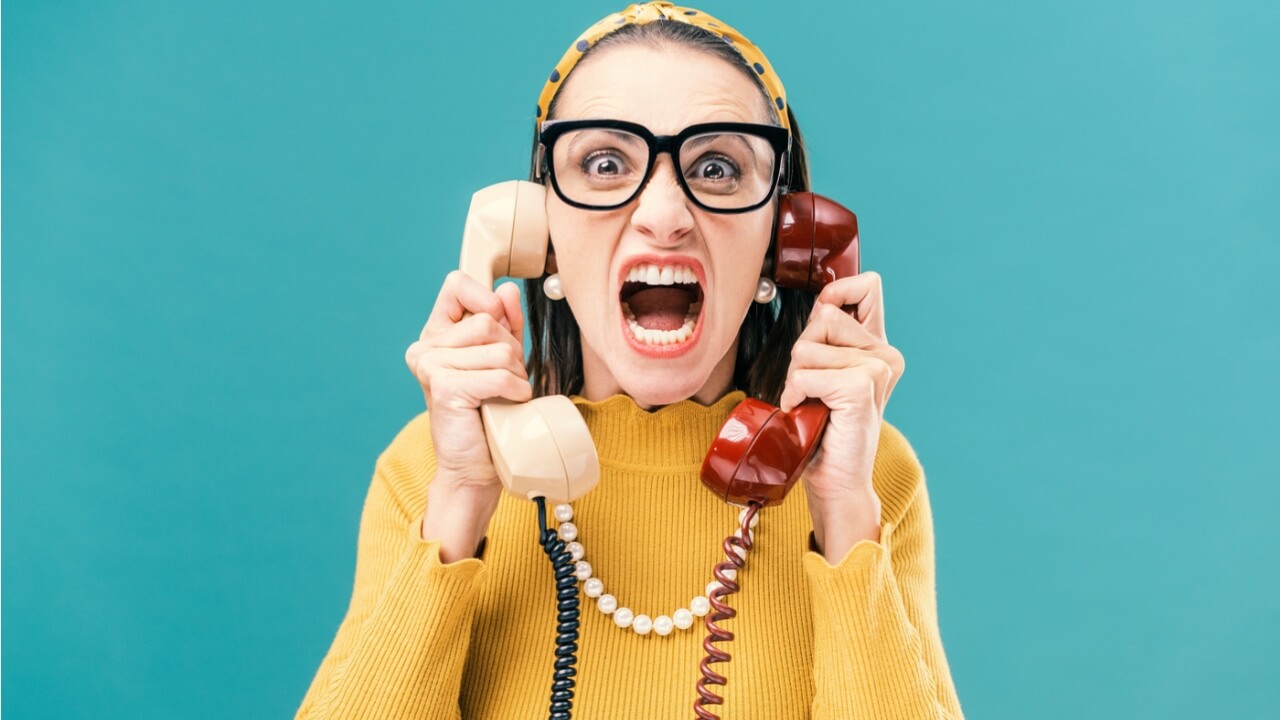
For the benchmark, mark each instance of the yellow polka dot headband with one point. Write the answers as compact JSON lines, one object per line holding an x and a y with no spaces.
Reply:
{"x":644,"y":13}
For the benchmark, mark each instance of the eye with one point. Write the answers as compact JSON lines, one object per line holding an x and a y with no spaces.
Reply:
{"x":713,"y":167}
{"x":604,"y":163}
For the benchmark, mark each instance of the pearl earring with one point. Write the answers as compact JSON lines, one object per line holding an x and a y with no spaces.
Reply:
{"x":766,"y":291}
{"x":551,"y":287}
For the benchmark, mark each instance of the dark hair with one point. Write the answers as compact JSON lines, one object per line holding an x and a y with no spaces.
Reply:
{"x":768,"y":331}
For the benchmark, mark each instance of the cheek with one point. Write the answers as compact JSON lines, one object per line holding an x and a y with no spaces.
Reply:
{"x":745,"y":250}
{"x":582,"y":243}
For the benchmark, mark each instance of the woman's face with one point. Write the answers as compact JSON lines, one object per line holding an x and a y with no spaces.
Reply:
{"x":654,"y":342}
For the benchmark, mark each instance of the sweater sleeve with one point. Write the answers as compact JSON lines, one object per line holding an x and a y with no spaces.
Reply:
{"x":877,"y":647}
{"x":400,"y":650}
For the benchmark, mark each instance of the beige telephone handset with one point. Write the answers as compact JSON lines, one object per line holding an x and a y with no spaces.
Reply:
{"x":540,"y":448}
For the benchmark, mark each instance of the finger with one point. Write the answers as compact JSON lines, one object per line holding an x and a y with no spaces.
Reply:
{"x":816,"y":356}
{"x":494,"y":356}
{"x":479,"y":329}
{"x":830,"y":325}
{"x":509,"y":294}
{"x":864,"y":290}
{"x":428,"y":363}
{"x":809,"y":354}
{"x":461,"y":296}
{"x":466,"y":389}
{"x":791,"y":395}
{"x":870,"y":380}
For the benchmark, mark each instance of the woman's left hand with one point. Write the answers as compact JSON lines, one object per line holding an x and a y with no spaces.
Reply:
{"x":846,"y":362}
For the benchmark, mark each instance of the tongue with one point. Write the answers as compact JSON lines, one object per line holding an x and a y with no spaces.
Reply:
{"x":660,"y":307}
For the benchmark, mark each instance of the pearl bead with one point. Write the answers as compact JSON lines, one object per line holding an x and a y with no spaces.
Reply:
{"x":622,"y":617}
{"x":552,"y":287}
{"x":642,"y":624}
{"x":663,"y":625}
{"x":766,"y":290}
{"x":626,"y":618}
{"x":700,"y":606}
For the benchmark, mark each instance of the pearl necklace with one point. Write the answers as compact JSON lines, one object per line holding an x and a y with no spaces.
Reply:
{"x":625,"y":617}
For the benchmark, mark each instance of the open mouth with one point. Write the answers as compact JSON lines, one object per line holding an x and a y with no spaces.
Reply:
{"x":661,"y":303}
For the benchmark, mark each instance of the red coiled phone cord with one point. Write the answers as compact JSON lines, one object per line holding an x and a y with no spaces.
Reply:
{"x":734,"y":560}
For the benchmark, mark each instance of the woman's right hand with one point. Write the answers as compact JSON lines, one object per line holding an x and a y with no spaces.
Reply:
{"x":470,"y":350}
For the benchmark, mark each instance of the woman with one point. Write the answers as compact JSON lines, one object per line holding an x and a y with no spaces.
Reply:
{"x":453,"y":608}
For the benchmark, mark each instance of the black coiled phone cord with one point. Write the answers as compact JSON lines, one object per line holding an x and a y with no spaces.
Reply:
{"x":566,"y":616}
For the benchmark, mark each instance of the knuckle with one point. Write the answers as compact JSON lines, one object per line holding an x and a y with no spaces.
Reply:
{"x":897,"y":359}
{"x":881,"y":370}
{"x":802,"y":350}
{"x":518,"y":385}
{"x":513,"y":354}
{"x":493,"y":305}
{"x":830,"y":312}
{"x":433,"y":389}
{"x":869,"y":384}
{"x":484,"y":324}
{"x":424,"y":368}
{"x":864,"y":383}
{"x":451,"y":281}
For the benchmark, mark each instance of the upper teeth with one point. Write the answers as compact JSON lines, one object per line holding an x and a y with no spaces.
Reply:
{"x":661,"y":275}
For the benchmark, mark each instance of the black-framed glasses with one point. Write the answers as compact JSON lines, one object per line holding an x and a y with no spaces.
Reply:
{"x":724,"y":167}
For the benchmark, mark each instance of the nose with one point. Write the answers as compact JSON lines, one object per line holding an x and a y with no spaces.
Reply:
{"x":662,"y":211}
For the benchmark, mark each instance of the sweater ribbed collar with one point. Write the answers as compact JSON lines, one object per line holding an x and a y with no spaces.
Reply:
{"x":673,"y":437}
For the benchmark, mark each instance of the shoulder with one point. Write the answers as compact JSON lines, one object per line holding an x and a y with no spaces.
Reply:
{"x":411,"y":449}
{"x":898,"y":476}
{"x":408,"y":463}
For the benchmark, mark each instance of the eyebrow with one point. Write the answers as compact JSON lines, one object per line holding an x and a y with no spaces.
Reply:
{"x":576,"y":137}
{"x":693,"y":142}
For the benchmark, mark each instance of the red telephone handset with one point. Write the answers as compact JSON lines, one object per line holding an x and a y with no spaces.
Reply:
{"x":760,"y":451}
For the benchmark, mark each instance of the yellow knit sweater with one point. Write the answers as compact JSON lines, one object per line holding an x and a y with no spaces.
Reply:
{"x":475,"y":638}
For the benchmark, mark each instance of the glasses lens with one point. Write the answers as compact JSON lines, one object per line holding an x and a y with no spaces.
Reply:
{"x":727,"y":170}
{"x":599,"y":166}
{"x":603,"y":167}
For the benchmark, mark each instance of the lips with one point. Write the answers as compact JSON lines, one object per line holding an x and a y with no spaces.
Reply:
{"x":661,"y":300}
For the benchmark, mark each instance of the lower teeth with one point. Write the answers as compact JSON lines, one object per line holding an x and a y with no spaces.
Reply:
{"x":650,"y":336}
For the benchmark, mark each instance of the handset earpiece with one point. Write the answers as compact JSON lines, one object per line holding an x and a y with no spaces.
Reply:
{"x":760,"y":451}
{"x":541,"y":448}
{"x":816,"y":242}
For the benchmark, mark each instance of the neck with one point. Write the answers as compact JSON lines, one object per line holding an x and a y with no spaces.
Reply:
{"x":598,"y":383}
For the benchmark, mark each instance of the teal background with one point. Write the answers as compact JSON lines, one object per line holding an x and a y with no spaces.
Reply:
{"x":224,"y":222}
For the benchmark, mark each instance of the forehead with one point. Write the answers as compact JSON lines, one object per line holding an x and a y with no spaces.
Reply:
{"x":664,"y":89}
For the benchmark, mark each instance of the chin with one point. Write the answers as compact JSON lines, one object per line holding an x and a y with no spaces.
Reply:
{"x":657,"y":389}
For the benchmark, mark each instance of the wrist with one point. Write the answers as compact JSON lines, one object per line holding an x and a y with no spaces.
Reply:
{"x":457,"y":517}
{"x":841,"y":522}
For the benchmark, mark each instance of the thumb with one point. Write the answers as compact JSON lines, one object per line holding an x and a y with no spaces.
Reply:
{"x":509,"y":294}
